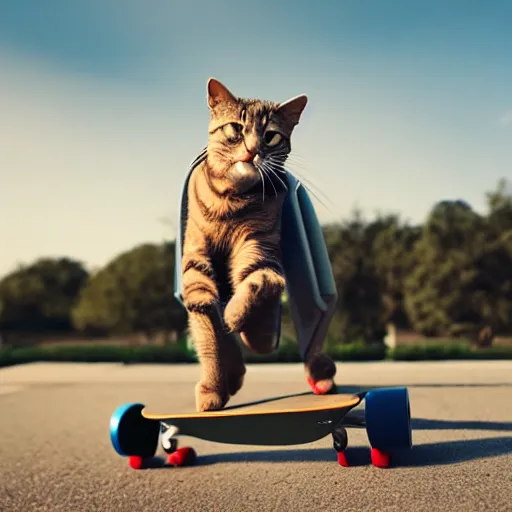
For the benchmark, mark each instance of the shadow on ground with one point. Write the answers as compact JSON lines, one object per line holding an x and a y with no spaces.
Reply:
{"x":429,"y":424}
{"x":453,"y":452}
{"x":362,"y":388}
{"x":428,"y":454}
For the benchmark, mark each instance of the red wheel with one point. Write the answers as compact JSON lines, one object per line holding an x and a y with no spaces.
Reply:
{"x":342,"y":459}
{"x":380,"y":459}
{"x":182,"y":457}
{"x":135,"y":461}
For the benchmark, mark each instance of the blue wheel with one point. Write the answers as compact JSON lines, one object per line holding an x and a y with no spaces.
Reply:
{"x":131,"y":433}
{"x":388,"y":418}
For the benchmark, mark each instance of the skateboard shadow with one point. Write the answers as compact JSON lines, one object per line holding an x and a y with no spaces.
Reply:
{"x":359,"y":456}
{"x":361,"y":389}
{"x":454,"y":452}
{"x":428,"y":454}
{"x":429,"y":424}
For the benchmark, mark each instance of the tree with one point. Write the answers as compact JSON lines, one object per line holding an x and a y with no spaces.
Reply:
{"x":392,"y":242}
{"x":133,"y":294}
{"x":491,"y":290}
{"x":40,"y":296}
{"x":453,"y":288}
{"x":499,"y":204}
{"x":494,"y":292}
{"x":360,"y":309}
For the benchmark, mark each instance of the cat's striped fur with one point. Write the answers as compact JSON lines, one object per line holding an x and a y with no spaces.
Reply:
{"x":231,"y":267}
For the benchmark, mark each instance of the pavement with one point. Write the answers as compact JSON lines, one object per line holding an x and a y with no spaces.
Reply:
{"x":56,"y":455}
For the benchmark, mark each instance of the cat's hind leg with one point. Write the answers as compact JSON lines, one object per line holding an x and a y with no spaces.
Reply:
{"x":233,"y":363}
{"x":320,"y":372}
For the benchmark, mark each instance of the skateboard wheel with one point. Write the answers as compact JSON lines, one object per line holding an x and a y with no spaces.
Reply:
{"x":131,"y":433}
{"x":182,"y":457}
{"x":135,"y":461}
{"x":380,"y":459}
{"x":342,"y":459}
{"x":340,"y":439}
{"x":388,"y":418}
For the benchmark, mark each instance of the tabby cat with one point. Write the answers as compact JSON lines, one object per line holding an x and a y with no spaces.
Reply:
{"x":232,"y":274}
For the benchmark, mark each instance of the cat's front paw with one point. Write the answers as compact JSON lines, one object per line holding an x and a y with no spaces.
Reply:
{"x":260,"y":292}
{"x":209,"y":399}
{"x":236,"y":312}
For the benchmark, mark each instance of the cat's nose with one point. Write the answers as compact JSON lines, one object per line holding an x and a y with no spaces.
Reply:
{"x":247,"y":156}
{"x":251,"y":144}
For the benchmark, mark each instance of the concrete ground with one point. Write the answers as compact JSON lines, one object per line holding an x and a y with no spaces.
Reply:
{"x":55,"y":450}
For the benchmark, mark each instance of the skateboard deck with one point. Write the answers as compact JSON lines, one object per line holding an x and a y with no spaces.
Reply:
{"x":136,"y":430}
{"x":286,"y":420}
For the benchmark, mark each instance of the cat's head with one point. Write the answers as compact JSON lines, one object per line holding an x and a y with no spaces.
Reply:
{"x":248,"y":139}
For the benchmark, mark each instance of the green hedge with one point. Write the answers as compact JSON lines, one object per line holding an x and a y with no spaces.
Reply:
{"x":287,"y":353}
{"x":98,"y":354}
{"x":448,"y":351}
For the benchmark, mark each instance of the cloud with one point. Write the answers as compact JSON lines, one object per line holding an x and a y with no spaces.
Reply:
{"x":506,"y":118}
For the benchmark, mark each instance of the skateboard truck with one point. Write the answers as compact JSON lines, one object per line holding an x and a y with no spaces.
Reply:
{"x":340,"y":443}
{"x":167,"y":437}
{"x":175,"y":456}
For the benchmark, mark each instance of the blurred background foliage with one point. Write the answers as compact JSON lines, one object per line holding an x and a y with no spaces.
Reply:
{"x":450,"y":277}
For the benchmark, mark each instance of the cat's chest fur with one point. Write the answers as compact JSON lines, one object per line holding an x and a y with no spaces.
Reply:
{"x":225,"y":221}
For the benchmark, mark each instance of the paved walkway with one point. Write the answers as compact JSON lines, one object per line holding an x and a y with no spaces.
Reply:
{"x":56,"y":452}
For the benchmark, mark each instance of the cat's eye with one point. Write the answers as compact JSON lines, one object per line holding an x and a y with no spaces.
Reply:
{"x":272,"y":138}
{"x":232,"y":131}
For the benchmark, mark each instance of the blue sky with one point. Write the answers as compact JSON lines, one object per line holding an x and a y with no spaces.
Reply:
{"x":103,"y":106}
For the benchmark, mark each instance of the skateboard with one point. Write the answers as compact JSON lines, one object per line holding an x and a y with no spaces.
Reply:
{"x":136,"y":430}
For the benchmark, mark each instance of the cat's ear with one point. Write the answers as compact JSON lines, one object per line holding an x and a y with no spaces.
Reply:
{"x":292,"y":108}
{"x":218,"y":93}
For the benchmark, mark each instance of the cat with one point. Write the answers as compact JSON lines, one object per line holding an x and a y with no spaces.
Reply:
{"x":232,"y":274}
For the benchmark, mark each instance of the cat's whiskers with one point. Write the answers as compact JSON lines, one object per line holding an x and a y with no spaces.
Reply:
{"x":297,"y":164}
{"x":296,"y":161}
{"x":276,"y":162}
{"x":262,"y":184}
{"x":280,"y":154}
{"x":270,"y":168}
{"x":264,"y":169}
{"x":306,"y":182}
{"x":296,"y":157}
